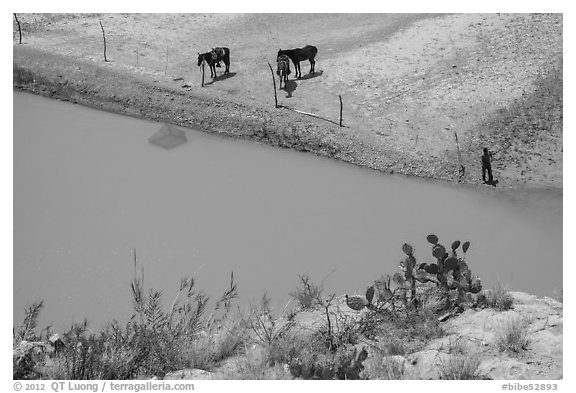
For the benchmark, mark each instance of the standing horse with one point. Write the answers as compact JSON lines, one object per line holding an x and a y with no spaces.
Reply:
{"x":297,"y":55}
{"x":283,"y":69}
{"x":213,"y":58}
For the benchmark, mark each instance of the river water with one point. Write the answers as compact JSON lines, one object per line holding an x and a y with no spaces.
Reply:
{"x":89,"y":190}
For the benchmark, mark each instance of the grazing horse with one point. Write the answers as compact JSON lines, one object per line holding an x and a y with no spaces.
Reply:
{"x":297,"y":55}
{"x":283,"y":69}
{"x":213,"y":58}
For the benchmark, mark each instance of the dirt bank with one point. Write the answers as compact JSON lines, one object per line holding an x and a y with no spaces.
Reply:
{"x":408,"y":82}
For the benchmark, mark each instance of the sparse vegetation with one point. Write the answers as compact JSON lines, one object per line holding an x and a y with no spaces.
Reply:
{"x":512,"y":335}
{"x":153,"y":342}
{"x":498,"y":298}
{"x":461,"y":367}
{"x":307,"y":293}
{"x":384,"y":366}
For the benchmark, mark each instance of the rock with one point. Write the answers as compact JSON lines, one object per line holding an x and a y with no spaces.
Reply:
{"x":497,"y":368}
{"x":546,"y":342}
{"x":194,"y":374}
{"x":426,"y":364}
{"x":56,"y":342}
{"x":32,"y":348}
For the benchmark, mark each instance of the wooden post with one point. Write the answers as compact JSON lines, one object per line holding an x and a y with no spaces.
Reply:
{"x":166,"y":68}
{"x":19,"y":29}
{"x":461,"y":170}
{"x":103,"y":36}
{"x":340,"y":110}
{"x":202,"y":73}
{"x":274,"y":82}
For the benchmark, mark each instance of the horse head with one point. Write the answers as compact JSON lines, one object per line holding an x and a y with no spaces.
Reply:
{"x":200,"y":59}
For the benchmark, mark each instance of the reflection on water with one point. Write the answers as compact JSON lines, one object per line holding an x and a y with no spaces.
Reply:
{"x":89,"y":189}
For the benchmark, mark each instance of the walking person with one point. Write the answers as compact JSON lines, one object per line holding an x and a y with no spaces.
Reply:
{"x":487,"y":166}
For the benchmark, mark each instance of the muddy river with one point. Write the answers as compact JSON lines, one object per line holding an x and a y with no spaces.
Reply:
{"x":89,"y":189}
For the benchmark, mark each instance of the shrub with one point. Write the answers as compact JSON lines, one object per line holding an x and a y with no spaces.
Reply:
{"x":512,"y":335}
{"x":461,"y":367}
{"x":384,"y":366}
{"x":268,"y":331}
{"x":308,"y":293}
{"x":498,"y":298}
{"x":344,"y":363}
{"x":153,"y":342}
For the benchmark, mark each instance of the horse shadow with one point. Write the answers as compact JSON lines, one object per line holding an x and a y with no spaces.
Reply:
{"x":310,"y":76}
{"x":221,"y":78}
{"x":289,"y":88}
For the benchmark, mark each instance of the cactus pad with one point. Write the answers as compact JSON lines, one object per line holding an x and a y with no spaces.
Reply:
{"x":438,"y":251}
{"x":455,"y":245}
{"x":408,"y":249}
{"x":450,"y":264}
{"x":356,"y":303}
{"x":370,"y":293}
{"x":433,"y":239}
{"x":465,"y":246}
{"x":432,"y":268}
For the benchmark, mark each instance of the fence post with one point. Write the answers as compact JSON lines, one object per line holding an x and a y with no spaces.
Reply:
{"x":274,"y":82}
{"x":340,"y":110}
{"x":166,"y":68}
{"x":104,"y":37}
{"x":203,"y":72}
{"x":19,"y":29}
{"x":462,"y":169}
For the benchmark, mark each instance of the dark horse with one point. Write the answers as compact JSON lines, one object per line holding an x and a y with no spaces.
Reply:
{"x":297,"y":55}
{"x":213,"y":58}
{"x":283,"y":69}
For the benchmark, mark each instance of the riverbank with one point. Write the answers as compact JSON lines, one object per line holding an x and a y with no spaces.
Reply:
{"x":510,"y":336}
{"x":457,"y":75}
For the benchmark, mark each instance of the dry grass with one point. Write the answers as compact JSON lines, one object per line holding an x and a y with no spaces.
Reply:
{"x":512,"y":335}
{"x":499,"y":298}
{"x":461,"y":367}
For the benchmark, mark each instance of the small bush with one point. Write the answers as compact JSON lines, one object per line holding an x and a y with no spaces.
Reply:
{"x":308,"y":293}
{"x":461,"y":367}
{"x":344,"y":363}
{"x":218,"y":342}
{"x":268,"y":331}
{"x":383,"y":366}
{"x":498,"y":298}
{"x":512,"y":335}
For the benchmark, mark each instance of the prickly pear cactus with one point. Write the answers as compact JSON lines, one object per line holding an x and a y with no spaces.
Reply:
{"x":358,"y":303}
{"x":450,"y":272}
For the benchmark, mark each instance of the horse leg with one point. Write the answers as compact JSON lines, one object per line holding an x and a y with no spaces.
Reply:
{"x":297,"y":69}
{"x":312,"y":64}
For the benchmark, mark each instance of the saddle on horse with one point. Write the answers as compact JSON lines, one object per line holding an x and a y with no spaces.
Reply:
{"x":217,"y":53}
